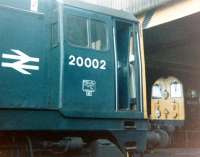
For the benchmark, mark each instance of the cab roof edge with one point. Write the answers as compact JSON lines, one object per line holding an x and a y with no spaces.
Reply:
{"x":100,"y":9}
{"x":60,"y":1}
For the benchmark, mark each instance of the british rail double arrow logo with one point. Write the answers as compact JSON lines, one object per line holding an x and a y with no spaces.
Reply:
{"x":21,"y":63}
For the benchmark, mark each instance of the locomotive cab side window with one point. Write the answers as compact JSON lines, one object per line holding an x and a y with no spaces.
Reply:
{"x":75,"y":34}
{"x":86,"y":32}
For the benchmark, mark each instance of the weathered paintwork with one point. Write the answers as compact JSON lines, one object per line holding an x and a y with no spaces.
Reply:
{"x":40,"y":91}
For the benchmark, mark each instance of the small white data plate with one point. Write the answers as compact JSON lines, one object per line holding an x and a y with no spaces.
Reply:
{"x":89,"y":87}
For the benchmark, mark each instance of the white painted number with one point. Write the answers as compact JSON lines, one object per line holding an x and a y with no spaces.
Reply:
{"x":87,"y":62}
{"x":102,"y":65}
{"x":72,"y":60}
{"x":34,"y":5}
{"x":95,"y":63}
{"x":79,"y":61}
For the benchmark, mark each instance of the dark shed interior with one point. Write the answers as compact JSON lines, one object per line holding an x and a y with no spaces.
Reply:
{"x":173,"y":49}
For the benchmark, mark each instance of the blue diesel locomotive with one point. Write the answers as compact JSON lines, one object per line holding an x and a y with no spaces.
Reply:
{"x":70,"y":70}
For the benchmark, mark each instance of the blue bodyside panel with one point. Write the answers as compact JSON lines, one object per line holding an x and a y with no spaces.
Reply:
{"x":25,"y":33}
{"x":30,"y":67}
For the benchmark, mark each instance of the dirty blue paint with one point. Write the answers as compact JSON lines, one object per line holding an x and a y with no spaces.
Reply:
{"x":86,"y":97}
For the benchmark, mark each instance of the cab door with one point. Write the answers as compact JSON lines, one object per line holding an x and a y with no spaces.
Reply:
{"x":88,"y":73}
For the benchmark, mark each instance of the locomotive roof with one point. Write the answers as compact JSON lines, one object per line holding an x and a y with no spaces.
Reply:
{"x":100,"y":9}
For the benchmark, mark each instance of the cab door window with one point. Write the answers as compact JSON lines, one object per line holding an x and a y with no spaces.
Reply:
{"x":98,"y":35}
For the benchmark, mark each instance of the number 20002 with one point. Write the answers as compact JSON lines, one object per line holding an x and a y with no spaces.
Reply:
{"x":87,"y":62}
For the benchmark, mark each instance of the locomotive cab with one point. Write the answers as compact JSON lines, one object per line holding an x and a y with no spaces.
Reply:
{"x":95,"y":63}
{"x":167,"y":108}
{"x":167,"y":100}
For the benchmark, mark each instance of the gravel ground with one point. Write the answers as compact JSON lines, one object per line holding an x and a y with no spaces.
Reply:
{"x":180,"y":152}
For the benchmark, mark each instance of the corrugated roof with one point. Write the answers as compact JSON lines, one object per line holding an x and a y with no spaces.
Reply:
{"x":133,"y":6}
{"x":140,"y":6}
